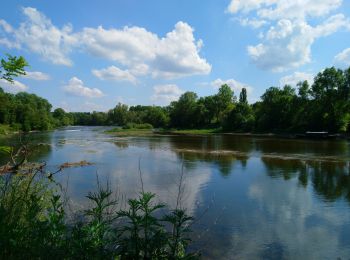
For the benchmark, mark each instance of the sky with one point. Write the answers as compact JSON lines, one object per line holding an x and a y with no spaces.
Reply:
{"x":91,"y":55}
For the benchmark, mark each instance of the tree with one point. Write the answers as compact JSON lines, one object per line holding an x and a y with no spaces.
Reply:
{"x":276,"y":109}
{"x":223,"y":102}
{"x":99,"y":118}
{"x":241,"y":117}
{"x":12,"y":67}
{"x":183,"y":111}
{"x":304,"y":90}
{"x":331,"y":95}
{"x":243,"y":96}
{"x":119,"y":115}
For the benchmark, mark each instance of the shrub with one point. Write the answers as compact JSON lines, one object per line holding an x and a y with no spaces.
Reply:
{"x":34,"y":224}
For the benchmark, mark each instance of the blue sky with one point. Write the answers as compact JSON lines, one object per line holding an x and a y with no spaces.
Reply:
{"x":91,"y":56}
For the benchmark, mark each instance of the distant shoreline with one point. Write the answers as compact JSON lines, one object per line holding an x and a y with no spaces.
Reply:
{"x":201,"y":132}
{"x":208,"y":132}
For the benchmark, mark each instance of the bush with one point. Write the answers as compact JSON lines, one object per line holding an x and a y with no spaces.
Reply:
{"x":34,"y":224}
{"x":4,"y":129}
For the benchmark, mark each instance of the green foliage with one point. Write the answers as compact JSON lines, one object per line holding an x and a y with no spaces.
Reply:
{"x":23,"y":206}
{"x":138,"y":126}
{"x":22,"y":111}
{"x":12,"y":67}
{"x":243,"y":96}
{"x":224,"y":102}
{"x":183,"y":111}
{"x":34,"y":224}
{"x":5,"y":149}
{"x":119,"y":115}
{"x":154,"y":115}
{"x":5,"y":129}
{"x":178,"y":238}
{"x":62,"y":118}
{"x":25,"y":111}
{"x":240,"y":119}
{"x":96,"y":238}
{"x":323,"y":106}
{"x":143,"y":236}
{"x":276,"y":109}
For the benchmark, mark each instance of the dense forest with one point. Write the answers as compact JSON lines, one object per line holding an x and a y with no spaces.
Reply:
{"x":323,"y":106}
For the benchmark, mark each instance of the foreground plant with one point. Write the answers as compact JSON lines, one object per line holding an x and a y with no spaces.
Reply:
{"x":35,"y":224}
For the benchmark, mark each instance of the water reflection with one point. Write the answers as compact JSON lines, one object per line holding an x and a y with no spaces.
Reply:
{"x":295,"y":218}
{"x":39,"y":143}
{"x":330,"y":180}
{"x":254,"y":198}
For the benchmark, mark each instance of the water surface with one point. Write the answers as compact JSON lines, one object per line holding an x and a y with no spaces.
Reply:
{"x":253,"y":198}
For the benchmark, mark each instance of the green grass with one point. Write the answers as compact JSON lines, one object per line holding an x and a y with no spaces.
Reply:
{"x":132,"y":129}
{"x":137,"y":126}
{"x":147,"y":132}
{"x":5,"y":129}
{"x":193,"y":131}
{"x":130,"y":132}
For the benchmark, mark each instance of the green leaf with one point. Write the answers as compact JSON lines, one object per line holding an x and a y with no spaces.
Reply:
{"x":5,"y":149}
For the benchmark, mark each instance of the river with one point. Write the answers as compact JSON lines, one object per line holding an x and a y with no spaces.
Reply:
{"x":253,"y":198}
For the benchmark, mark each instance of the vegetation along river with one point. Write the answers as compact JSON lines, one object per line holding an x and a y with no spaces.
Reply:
{"x":251,"y":197}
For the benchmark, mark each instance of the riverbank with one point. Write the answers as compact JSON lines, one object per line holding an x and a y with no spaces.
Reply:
{"x":7,"y":130}
{"x":137,"y":131}
{"x":130,"y":132}
{"x":213,"y":131}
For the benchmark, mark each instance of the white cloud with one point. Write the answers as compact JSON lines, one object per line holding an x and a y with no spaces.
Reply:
{"x":288,"y":44}
{"x":40,"y":36}
{"x":117,"y":45}
{"x":284,"y":9}
{"x":288,"y":41}
{"x":175,"y":55}
{"x":332,"y":25}
{"x":14,"y":87}
{"x":164,"y":94}
{"x":114,"y":73}
{"x":6,"y":26}
{"x":64,"y":105}
{"x":245,"y":6}
{"x":235,"y":85}
{"x":9,"y":44}
{"x":295,"y":78}
{"x":140,"y":51}
{"x":343,"y":58}
{"x":254,"y":23}
{"x":76,"y":87}
{"x":86,"y":106}
{"x":285,"y":46}
{"x":36,"y":75}
{"x":89,"y":107}
{"x":178,"y":54}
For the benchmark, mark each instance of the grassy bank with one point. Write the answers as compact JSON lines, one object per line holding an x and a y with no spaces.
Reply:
{"x":190,"y":131}
{"x":7,"y":130}
{"x":138,"y":131}
{"x":130,"y":132}
{"x":212,"y":131}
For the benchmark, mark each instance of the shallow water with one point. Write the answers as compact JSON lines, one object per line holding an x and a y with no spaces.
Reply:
{"x":253,"y":198}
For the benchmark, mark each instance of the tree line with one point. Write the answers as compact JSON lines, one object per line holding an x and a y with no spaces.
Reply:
{"x":322,"y":106}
